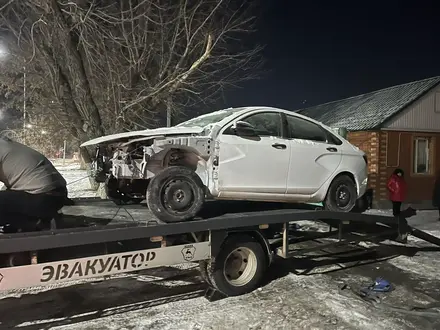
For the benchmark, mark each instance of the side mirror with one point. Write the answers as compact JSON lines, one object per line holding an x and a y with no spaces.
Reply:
{"x":243,"y":128}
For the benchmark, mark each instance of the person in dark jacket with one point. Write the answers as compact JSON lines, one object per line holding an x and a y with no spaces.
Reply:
{"x":436,"y":193}
{"x":34,"y":189}
{"x":397,"y":189}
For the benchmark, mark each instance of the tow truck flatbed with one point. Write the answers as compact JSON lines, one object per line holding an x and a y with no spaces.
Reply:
{"x":227,"y":246}
{"x":142,"y":224}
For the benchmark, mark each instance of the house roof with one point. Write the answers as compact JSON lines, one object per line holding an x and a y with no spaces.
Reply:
{"x":369,"y":111}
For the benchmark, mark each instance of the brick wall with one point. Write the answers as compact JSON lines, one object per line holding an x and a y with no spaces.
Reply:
{"x":370,"y":142}
{"x":382,"y":192}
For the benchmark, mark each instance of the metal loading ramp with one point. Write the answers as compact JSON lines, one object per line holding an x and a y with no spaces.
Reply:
{"x":424,"y":236}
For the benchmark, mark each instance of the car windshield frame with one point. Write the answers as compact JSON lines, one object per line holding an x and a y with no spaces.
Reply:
{"x":209,"y":118}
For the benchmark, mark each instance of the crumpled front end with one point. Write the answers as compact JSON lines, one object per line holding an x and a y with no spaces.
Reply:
{"x":143,"y":158}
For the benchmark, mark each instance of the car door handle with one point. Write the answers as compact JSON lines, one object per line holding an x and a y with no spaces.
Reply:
{"x":332,"y":149}
{"x":279,"y":146}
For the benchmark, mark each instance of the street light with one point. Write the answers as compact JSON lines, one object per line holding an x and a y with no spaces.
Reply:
{"x":3,"y":51}
{"x":4,"y":54}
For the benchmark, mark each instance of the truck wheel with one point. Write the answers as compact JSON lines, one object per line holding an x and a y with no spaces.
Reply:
{"x":175,"y":194}
{"x":341,"y":195}
{"x":239,"y":267}
{"x":17,"y":259}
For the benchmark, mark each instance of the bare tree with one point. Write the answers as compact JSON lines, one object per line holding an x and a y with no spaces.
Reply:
{"x":103,"y":66}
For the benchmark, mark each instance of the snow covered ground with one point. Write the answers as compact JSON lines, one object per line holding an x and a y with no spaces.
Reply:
{"x":300,"y":293}
{"x":77,"y":180}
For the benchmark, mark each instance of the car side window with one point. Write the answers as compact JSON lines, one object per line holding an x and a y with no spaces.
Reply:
{"x":265,"y":123}
{"x":299,"y":128}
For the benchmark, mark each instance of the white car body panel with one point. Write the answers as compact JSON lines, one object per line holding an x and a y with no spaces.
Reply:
{"x":321,"y":166}
{"x":247,"y":165}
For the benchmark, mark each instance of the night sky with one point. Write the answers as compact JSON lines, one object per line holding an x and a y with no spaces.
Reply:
{"x":320,"y":51}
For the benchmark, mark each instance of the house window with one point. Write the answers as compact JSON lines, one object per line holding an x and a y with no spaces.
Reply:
{"x":421,"y":156}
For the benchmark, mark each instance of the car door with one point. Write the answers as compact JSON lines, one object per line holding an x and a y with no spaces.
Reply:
{"x":257,"y":164}
{"x":314,"y":156}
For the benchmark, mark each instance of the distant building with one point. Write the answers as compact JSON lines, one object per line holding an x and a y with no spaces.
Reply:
{"x":396,"y":127}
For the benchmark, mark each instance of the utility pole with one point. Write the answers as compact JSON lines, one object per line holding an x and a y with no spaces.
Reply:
{"x":168,"y":118}
{"x":169,"y":113}
{"x":24,"y":104}
{"x":64,"y":152}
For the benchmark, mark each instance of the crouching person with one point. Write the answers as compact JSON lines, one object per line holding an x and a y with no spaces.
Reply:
{"x":397,"y":188}
{"x":34,"y":190}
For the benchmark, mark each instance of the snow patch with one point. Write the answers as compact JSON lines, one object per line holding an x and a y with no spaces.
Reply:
{"x":424,"y":265}
{"x":78,"y":182}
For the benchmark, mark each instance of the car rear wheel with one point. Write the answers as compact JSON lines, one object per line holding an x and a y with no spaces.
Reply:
{"x":175,"y":194}
{"x":341,"y":195}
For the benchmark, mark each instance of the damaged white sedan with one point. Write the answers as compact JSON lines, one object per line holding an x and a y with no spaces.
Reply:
{"x":247,"y":153}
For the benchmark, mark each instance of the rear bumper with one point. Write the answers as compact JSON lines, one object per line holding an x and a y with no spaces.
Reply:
{"x":362,"y":183}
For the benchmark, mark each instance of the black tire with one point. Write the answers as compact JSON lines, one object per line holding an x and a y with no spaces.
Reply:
{"x":203,"y":265}
{"x":172,"y":181}
{"x":258,"y":263}
{"x":17,"y":259}
{"x":341,"y":184}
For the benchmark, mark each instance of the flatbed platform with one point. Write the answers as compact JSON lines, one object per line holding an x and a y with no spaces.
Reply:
{"x":93,"y":220}
{"x":106,"y":209}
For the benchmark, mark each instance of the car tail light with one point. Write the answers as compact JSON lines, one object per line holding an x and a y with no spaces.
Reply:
{"x":365,"y":158}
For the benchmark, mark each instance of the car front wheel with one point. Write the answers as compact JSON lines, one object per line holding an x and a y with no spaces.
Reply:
{"x":175,"y":194}
{"x":342,"y":195}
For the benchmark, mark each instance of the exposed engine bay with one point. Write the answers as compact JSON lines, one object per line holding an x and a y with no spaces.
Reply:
{"x":126,"y":167}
